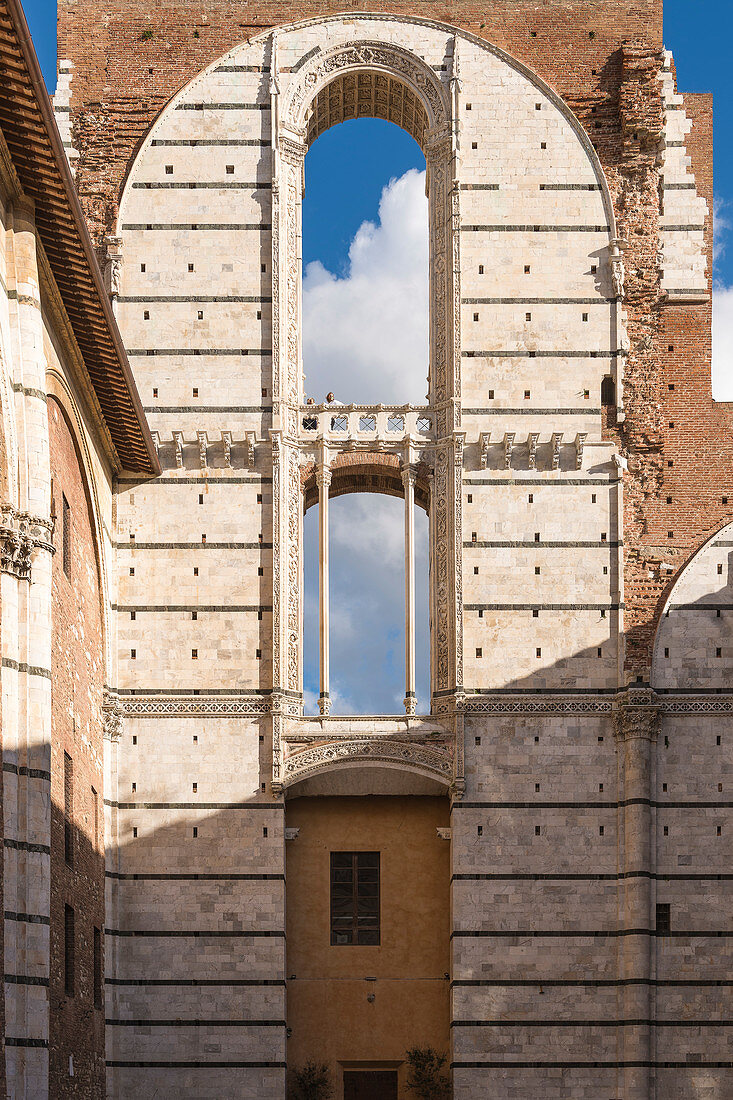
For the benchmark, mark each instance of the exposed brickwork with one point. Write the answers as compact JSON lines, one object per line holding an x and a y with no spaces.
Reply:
{"x":364,"y":473}
{"x":122,"y":80}
{"x":76,"y":1025}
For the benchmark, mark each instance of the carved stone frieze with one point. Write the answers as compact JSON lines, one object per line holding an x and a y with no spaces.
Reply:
{"x":196,"y":707}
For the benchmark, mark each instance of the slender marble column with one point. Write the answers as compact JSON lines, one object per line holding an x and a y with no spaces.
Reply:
{"x":324,"y":481}
{"x":408,"y":480}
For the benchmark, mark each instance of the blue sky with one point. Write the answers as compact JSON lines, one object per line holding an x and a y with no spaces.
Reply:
{"x":698,"y":33}
{"x":365,"y":258}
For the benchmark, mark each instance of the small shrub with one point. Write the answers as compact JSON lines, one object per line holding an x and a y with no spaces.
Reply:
{"x":312,"y":1082}
{"x":146,"y":35}
{"x":426,"y":1075}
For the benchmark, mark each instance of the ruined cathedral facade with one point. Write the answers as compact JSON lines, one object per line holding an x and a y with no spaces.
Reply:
{"x":204,"y":888}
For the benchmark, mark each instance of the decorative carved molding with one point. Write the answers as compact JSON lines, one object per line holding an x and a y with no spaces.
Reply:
{"x":552,"y":704}
{"x":292,"y":833}
{"x":21,"y":534}
{"x":443,"y":834}
{"x":405,"y":754}
{"x":140,"y":706}
{"x":389,"y":58}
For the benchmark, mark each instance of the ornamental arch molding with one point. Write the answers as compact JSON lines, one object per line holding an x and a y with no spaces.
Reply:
{"x":337,"y":756}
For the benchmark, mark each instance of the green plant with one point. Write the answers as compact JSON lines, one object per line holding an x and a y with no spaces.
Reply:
{"x":312,"y":1082}
{"x":426,"y":1075}
{"x":146,"y":35}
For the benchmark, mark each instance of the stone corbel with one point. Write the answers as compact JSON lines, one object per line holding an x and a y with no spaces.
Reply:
{"x":443,"y":834}
{"x":203,"y":448}
{"x":579,"y":444}
{"x":292,"y":833}
{"x":226,"y":439}
{"x":508,"y":448}
{"x":532,"y":439}
{"x":156,"y":442}
{"x":555,"y":441}
{"x":112,"y":714}
{"x":178,"y":444}
{"x":250,"y":443}
{"x":484,"y":440}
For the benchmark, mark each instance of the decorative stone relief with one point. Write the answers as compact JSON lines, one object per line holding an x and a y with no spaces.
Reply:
{"x":320,"y":757}
{"x":20,"y":535}
{"x":363,"y":55}
{"x":112,"y":714}
{"x":113,"y":265}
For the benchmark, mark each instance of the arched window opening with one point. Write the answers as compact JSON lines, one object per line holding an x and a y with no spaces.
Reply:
{"x":608,"y":391}
{"x":608,"y":402}
{"x":365,"y":246}
{"x":367,"y":608}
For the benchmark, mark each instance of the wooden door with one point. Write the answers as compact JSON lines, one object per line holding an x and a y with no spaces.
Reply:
{"x":370,"y":1084}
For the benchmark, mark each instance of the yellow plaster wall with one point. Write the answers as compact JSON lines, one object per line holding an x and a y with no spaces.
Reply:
{"x":329,"y":1016}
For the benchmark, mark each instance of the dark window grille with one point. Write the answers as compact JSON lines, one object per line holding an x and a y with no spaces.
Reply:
{"x":355,"y":898}
{"x":68,"y":808}
{"x":97,"y":968}
{"x":68,"y":951}
{"x":66,"y":535}
{"x":664,"y":921}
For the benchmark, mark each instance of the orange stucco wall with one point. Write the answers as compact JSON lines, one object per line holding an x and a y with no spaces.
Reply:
{"x":329,"y":1014}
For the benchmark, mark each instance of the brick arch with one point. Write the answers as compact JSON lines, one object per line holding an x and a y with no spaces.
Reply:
{"x":365,"y":472}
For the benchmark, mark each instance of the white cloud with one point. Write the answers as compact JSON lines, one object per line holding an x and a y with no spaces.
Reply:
{"x":367,"y":605}
{"x":721,"y":226}
{"x":723,"y":343}
{"x":365,"y":336}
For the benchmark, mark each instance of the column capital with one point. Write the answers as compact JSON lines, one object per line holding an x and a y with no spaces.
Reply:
{"x":323,"y":475}
{"x":637,"y":713}
{"x":409,"y":474}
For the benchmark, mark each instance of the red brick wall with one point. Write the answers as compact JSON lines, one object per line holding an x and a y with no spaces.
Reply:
{"x":122,"y":81}
{"x":77,"y":673}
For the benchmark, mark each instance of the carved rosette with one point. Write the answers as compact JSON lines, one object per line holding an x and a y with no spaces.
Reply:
{"x":20,"y":535}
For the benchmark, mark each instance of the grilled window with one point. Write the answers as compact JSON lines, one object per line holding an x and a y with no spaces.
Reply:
{"x":354,"y":897}
{"x":97,"y":968}
{"x":66,"y":535}
{"x":68,"y":951}
{"x":68,"y":808}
